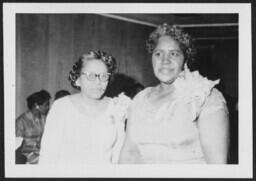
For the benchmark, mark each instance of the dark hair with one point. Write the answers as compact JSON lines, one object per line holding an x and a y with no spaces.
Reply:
{"x":134,"y":89}
{"x":184,"y":39}
{"x":107,"y":59}
{"x":38,"y":98}
{"x":61,"y":93}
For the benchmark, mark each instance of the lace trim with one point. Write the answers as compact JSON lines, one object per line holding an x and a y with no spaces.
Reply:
{"x":120,"y":107}
{"x":193,"y":89}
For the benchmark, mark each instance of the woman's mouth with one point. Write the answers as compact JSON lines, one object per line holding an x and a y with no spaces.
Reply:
{"x":98,"y":90}
{"x":166,"y":70}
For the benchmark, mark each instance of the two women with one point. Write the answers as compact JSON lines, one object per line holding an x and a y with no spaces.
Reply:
{"x":183,"y":119}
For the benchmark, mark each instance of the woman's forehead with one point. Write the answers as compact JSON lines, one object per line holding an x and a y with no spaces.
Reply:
{"x":94,"y":64}
{"x":167,"y":41}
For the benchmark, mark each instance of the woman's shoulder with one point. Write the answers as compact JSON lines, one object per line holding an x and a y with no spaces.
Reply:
{"x":121,"y":100}
{"x":215,"y":102}
{"x":62,"y":103}
{"x":199,"y":91}
{"x":215,"y":98}
{"x":142,"y":93}
{"x":65,"y":99}
{"x":25,"y":117}
{"x":216,"y":95}
{"x":21,"y":117}
{"x":194,"y":84}
{"x":118,"y":106}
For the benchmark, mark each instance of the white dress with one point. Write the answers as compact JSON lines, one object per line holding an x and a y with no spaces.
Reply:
{"x":71,"y":137}
{"x":169,"y":133}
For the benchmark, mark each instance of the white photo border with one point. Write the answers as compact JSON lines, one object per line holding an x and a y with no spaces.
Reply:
{"x":242,"y":170}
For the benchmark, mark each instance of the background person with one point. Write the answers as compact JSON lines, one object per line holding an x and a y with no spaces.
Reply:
{"x":30,"y":127}
{"x":60,"y":94}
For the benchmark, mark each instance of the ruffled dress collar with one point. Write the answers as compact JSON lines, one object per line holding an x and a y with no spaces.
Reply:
{"x":193,"y":89}
{"x":192,"y":84}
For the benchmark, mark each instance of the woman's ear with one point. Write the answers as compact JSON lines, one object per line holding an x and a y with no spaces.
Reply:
{"x":77,"y":82}
{"x":184,"y":65}
{"x":36,"y":106}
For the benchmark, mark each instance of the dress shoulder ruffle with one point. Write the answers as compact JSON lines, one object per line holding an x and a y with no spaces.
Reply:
{"x":193,"y":84}
{"x":119,"y":111}
{"x":215,"y":101}
{"x":192,"y":88}
{"x":120,"y":107}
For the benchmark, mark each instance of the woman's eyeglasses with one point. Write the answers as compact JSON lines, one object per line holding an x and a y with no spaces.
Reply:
{"x":92,"y":76}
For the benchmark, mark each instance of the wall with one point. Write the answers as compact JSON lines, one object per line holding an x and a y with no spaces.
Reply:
{"x":48,"y":45}
{"x":219,"y":59}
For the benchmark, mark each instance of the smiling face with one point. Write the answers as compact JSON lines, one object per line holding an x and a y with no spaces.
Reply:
{"x":93,"y":88}
{"x":167,"y":59}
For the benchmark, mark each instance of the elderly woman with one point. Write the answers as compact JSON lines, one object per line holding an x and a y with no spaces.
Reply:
{"x":183,"y":119}
{"x":86,"y":127}
{"x":30,"y":127}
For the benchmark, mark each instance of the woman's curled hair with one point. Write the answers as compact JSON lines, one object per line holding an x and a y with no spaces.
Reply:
{"x":38,"y":98}
{"x":107,"y":59}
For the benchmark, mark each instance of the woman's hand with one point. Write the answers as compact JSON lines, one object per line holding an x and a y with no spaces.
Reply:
{"x":130,"y":152}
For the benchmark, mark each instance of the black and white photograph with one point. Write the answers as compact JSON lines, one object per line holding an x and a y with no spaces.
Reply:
{"x":143,"y":90}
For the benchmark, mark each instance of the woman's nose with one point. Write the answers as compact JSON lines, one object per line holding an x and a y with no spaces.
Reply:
{"x":97,"y":80}
{"x":166,"y":59}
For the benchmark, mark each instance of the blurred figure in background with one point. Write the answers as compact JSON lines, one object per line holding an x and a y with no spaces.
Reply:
{"x":30,"y":127}
{"x":61,"y":93}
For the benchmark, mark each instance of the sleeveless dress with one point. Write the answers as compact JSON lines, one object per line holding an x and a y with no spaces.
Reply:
{"x":169,"y":133}
{"x":71,"y":137}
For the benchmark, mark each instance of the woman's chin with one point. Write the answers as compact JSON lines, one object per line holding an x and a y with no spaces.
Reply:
{"x":98,"y":97}
{"x":167,"y":79}
{"x":167,"y":82}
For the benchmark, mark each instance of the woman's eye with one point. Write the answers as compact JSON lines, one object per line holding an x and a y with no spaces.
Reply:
{"x":91,"y":75}
{"x":174,"y":53}
{"x":157,"y":54}
{"x":104,"y":76}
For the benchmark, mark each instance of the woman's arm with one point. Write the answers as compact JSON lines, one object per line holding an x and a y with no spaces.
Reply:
{"x":213,"y":125}
{"x":19,"y":127}
{"x":129,"y":152}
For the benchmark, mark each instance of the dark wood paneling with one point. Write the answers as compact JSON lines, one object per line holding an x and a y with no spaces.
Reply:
{"x":48,"y":45}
